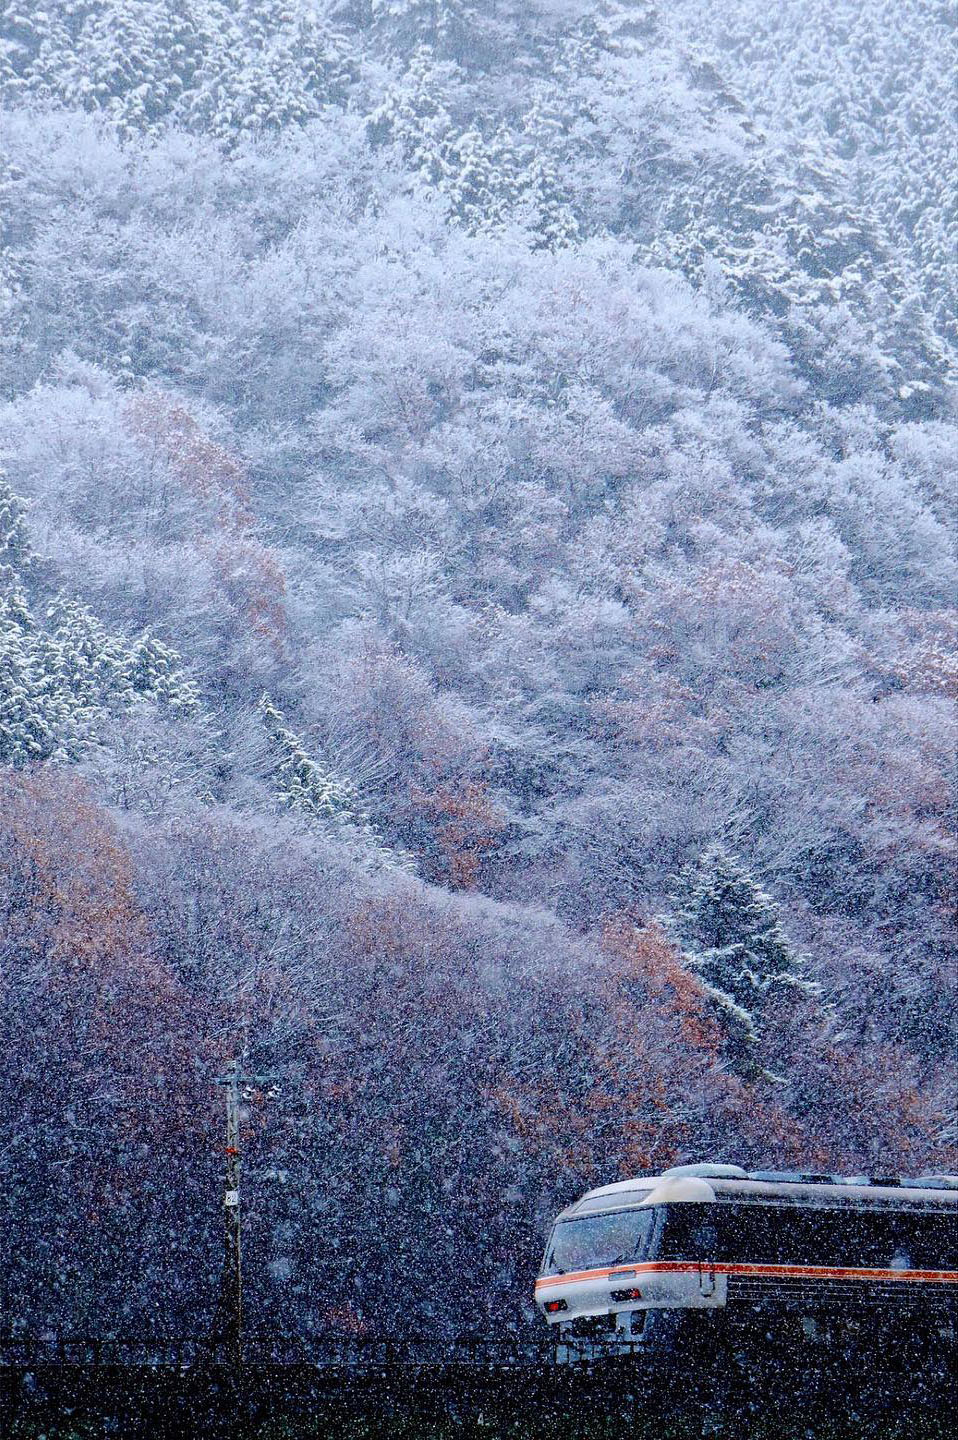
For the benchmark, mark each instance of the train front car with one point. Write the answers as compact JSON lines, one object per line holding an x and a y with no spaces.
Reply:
{"x":605,"y":1267}
{"x":701,"y":1253}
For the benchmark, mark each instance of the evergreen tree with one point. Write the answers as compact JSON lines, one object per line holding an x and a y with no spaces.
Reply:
{"x":402,"y":25}
{"x":267,"y":65}
{"x":63,"y":677}
{"x":731,"y":933}
{"x":490,"y":179}
{"x":323,"y":797}
{"x":28,"y":720}
{"x":415,"y":114}
{"x":14,"y":546}
{"x":303,"y":783}
{"x":230,"y":70}
{"x":127,"y":59}
{"x":81,"y":658}
{"x":154,"y":671}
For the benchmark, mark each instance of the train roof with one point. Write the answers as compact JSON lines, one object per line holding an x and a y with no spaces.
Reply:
{"x":725,"y":1183}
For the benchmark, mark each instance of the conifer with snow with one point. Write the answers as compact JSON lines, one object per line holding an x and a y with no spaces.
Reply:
{"x":154,"y":671}
{"x":63,"y":675}
{"x":13,"y":542}
{"x":314,"y":790}
{"x":730,"y":931}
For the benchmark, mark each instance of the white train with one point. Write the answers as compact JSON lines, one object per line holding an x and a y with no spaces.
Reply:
{"x":688,"y":1253}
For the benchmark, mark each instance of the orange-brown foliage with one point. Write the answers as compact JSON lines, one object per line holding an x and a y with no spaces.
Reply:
{"x":80,"y":977}
{"x":467,"y":828}
{"x":641,"y":1082}
{"x":248,"y":572}
{"x":206,"y":470}
{"x":644,"y":956}
{"x":251,"y":577}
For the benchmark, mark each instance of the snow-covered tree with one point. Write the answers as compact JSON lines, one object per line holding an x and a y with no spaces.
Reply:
{"x":154,"y":671}
{"x":267,"y":65}
{"x":317,"y":792}
{"x":862,"y":82}
{"x":732,"y":935}
{"x":14,"y":545}
{"x":64,"y":675}
{"x":228,"y":70}
{"x":303,"y":783}
{"x":548,"y":400}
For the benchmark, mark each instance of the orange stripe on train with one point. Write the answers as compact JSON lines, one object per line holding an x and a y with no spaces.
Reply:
{"x":805,"y":1272}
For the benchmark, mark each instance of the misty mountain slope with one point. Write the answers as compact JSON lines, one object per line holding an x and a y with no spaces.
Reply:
{"x":530,"y":463}
{"x":516,"y":467}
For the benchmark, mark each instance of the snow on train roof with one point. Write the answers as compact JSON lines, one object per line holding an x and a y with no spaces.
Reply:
{"x":731,"y":1181}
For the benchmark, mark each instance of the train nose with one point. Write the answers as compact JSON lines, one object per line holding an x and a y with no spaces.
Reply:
{"x":587,"y":1293}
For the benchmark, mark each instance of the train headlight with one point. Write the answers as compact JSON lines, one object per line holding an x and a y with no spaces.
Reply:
{"x":552,"y":1307}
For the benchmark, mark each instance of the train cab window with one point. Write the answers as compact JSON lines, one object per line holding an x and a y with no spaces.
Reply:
{"x":597,"y":1241}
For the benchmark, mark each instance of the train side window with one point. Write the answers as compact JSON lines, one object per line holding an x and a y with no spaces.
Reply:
{"x":892,"y":1241}
{"x":864,"y":1245}
{"x":922,"y":1242}
{"x":688,"y":1234}
{"x":935,"y":1242}
{"x":705,"y":1240}
{"x":825,"y":1237}
{"x":806,"y":1235}
{"x":746,"y":1233}
{"x":800,"y":1237}
{"x":787,"y":1235}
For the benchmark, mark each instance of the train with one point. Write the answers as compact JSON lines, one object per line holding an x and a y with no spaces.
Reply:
{"x":702,"y":1255}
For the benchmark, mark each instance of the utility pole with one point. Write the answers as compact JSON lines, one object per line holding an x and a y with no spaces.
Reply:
{"x":233,"y":1082}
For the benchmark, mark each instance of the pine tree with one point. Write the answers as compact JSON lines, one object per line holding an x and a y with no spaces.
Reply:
{"x":732,"y":936}
{"x":267,"y":65}
{"x":552,"y":217}
{"x":402,"y":25}
{"x":28,"y":719}
{"x":303,"y":783}
{"x":226,"y":69}
{"x":154,"y":671}
{"x":81,"y":658}
{"x":63,"y":676}
{"x":318,"y":793}
{"x":14,"y":546}
{"x":414,"y":114}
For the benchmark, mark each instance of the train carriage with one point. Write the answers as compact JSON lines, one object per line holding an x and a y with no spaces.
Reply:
{"x":697,"y":1253}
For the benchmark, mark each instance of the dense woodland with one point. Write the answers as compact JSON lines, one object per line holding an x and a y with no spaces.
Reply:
{"x":476,"y":560}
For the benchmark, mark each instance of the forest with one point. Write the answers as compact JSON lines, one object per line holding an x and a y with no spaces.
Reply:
{"x":477,"y":631}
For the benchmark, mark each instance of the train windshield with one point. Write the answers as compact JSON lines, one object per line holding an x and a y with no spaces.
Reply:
{"x":596,"y":1241}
